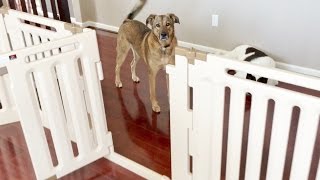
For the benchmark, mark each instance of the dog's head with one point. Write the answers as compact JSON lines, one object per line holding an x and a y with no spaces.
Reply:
{"x":163,"y":27}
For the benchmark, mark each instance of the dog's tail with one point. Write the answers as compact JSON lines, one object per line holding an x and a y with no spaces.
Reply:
{"x":137,"y":8}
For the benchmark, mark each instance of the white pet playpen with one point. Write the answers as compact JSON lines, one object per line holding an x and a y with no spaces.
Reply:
{"x":198,"y":83}
{"x":50,"y":76}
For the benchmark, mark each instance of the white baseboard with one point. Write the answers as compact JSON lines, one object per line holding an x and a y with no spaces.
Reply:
{"x":280,"y":65}
{"x":200,"y":47}
{"x":299,"y":69}
{"x":100,"y":26}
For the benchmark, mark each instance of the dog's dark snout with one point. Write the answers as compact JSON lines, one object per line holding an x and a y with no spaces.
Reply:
{"x":163,"y":36}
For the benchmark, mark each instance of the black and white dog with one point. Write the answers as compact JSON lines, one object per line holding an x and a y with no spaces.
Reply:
{"x":255,"y":56}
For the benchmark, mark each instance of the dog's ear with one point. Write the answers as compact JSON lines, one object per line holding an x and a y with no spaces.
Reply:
{"x":174,"y":18}
{"x":150,"y":19}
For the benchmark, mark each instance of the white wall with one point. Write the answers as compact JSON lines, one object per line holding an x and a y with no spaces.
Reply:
{"x":288,"y":30}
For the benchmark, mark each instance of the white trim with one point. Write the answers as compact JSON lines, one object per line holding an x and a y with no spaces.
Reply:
{"x":135,"y":167}
{"x":100,"y":26}
{"x":299,"y":69}
{"x":201,"y":47}
{"x":281,"y":65}
{"x":77,"y":10}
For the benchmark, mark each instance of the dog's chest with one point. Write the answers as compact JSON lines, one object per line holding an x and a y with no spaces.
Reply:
{"x":165,"y":60}
{"x":166,"y":56}
{"x":163,"y":55}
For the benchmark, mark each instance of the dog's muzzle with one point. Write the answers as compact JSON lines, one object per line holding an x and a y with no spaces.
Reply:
{"x":164,"y":36}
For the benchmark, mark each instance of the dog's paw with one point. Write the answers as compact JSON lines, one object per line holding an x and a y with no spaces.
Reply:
{"x":135,"y":79}
{"x":118,"y":84}
{"x":156,"y":108}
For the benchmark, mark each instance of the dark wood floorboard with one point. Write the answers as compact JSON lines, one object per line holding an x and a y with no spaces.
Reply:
{"x":138,"y":133}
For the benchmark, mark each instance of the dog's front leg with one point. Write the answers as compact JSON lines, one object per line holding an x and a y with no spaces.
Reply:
{"x":152,"y":88}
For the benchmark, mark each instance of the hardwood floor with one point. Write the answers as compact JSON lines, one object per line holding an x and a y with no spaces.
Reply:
{"x":138,"y":133}
{"x":15,"y":163}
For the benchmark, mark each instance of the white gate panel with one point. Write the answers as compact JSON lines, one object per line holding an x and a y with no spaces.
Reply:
{"x":16,"y":34}
{"x":20,"y":31}
{"x":179,"y":103}
{"x":209,"y":79}
{"x":86,"y":127}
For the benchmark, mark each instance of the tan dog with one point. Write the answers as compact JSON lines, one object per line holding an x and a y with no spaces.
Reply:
{"x":155,"y":46}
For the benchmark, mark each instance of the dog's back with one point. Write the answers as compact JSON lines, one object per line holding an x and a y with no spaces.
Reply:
{"x":254,"y":56}
{"x":129,"y":28}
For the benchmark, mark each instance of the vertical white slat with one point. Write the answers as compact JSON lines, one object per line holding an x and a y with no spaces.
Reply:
{"x":7,"y":88}
{"x":3,"y":95}
{"x":8,"y":111}
{"x":45,"y":40}
{"x":7,"y":91}
{"x":70,"y":124}
{"x":36,"y":41}
{"x":181,"y":118}
{"x":44,"y":119}
{"x":17,"y":40}
{"x":27,"y":38}
{"x":54,"y":51}
{"x":66,"y":105}
{"x":258,"y":116}
{"x":29,"y":42}
{"x":217,"y":131}
{"x":318,"y":172}
{"x":51,"y":104}
{"x":236,"y":118}
{"x":95,"y":104}
{"x":33,"y":131}
{"x":67,"y":76}
{"x":15,"y":34}
{"x":305,"y":140}
{"x":279,"y":139}
{"x":208,"y":126}
{"x":4,"y":39}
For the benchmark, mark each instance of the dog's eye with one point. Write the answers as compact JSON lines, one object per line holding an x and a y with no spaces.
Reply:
{"x":157,"y":25}
{"x":168,"y":24}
